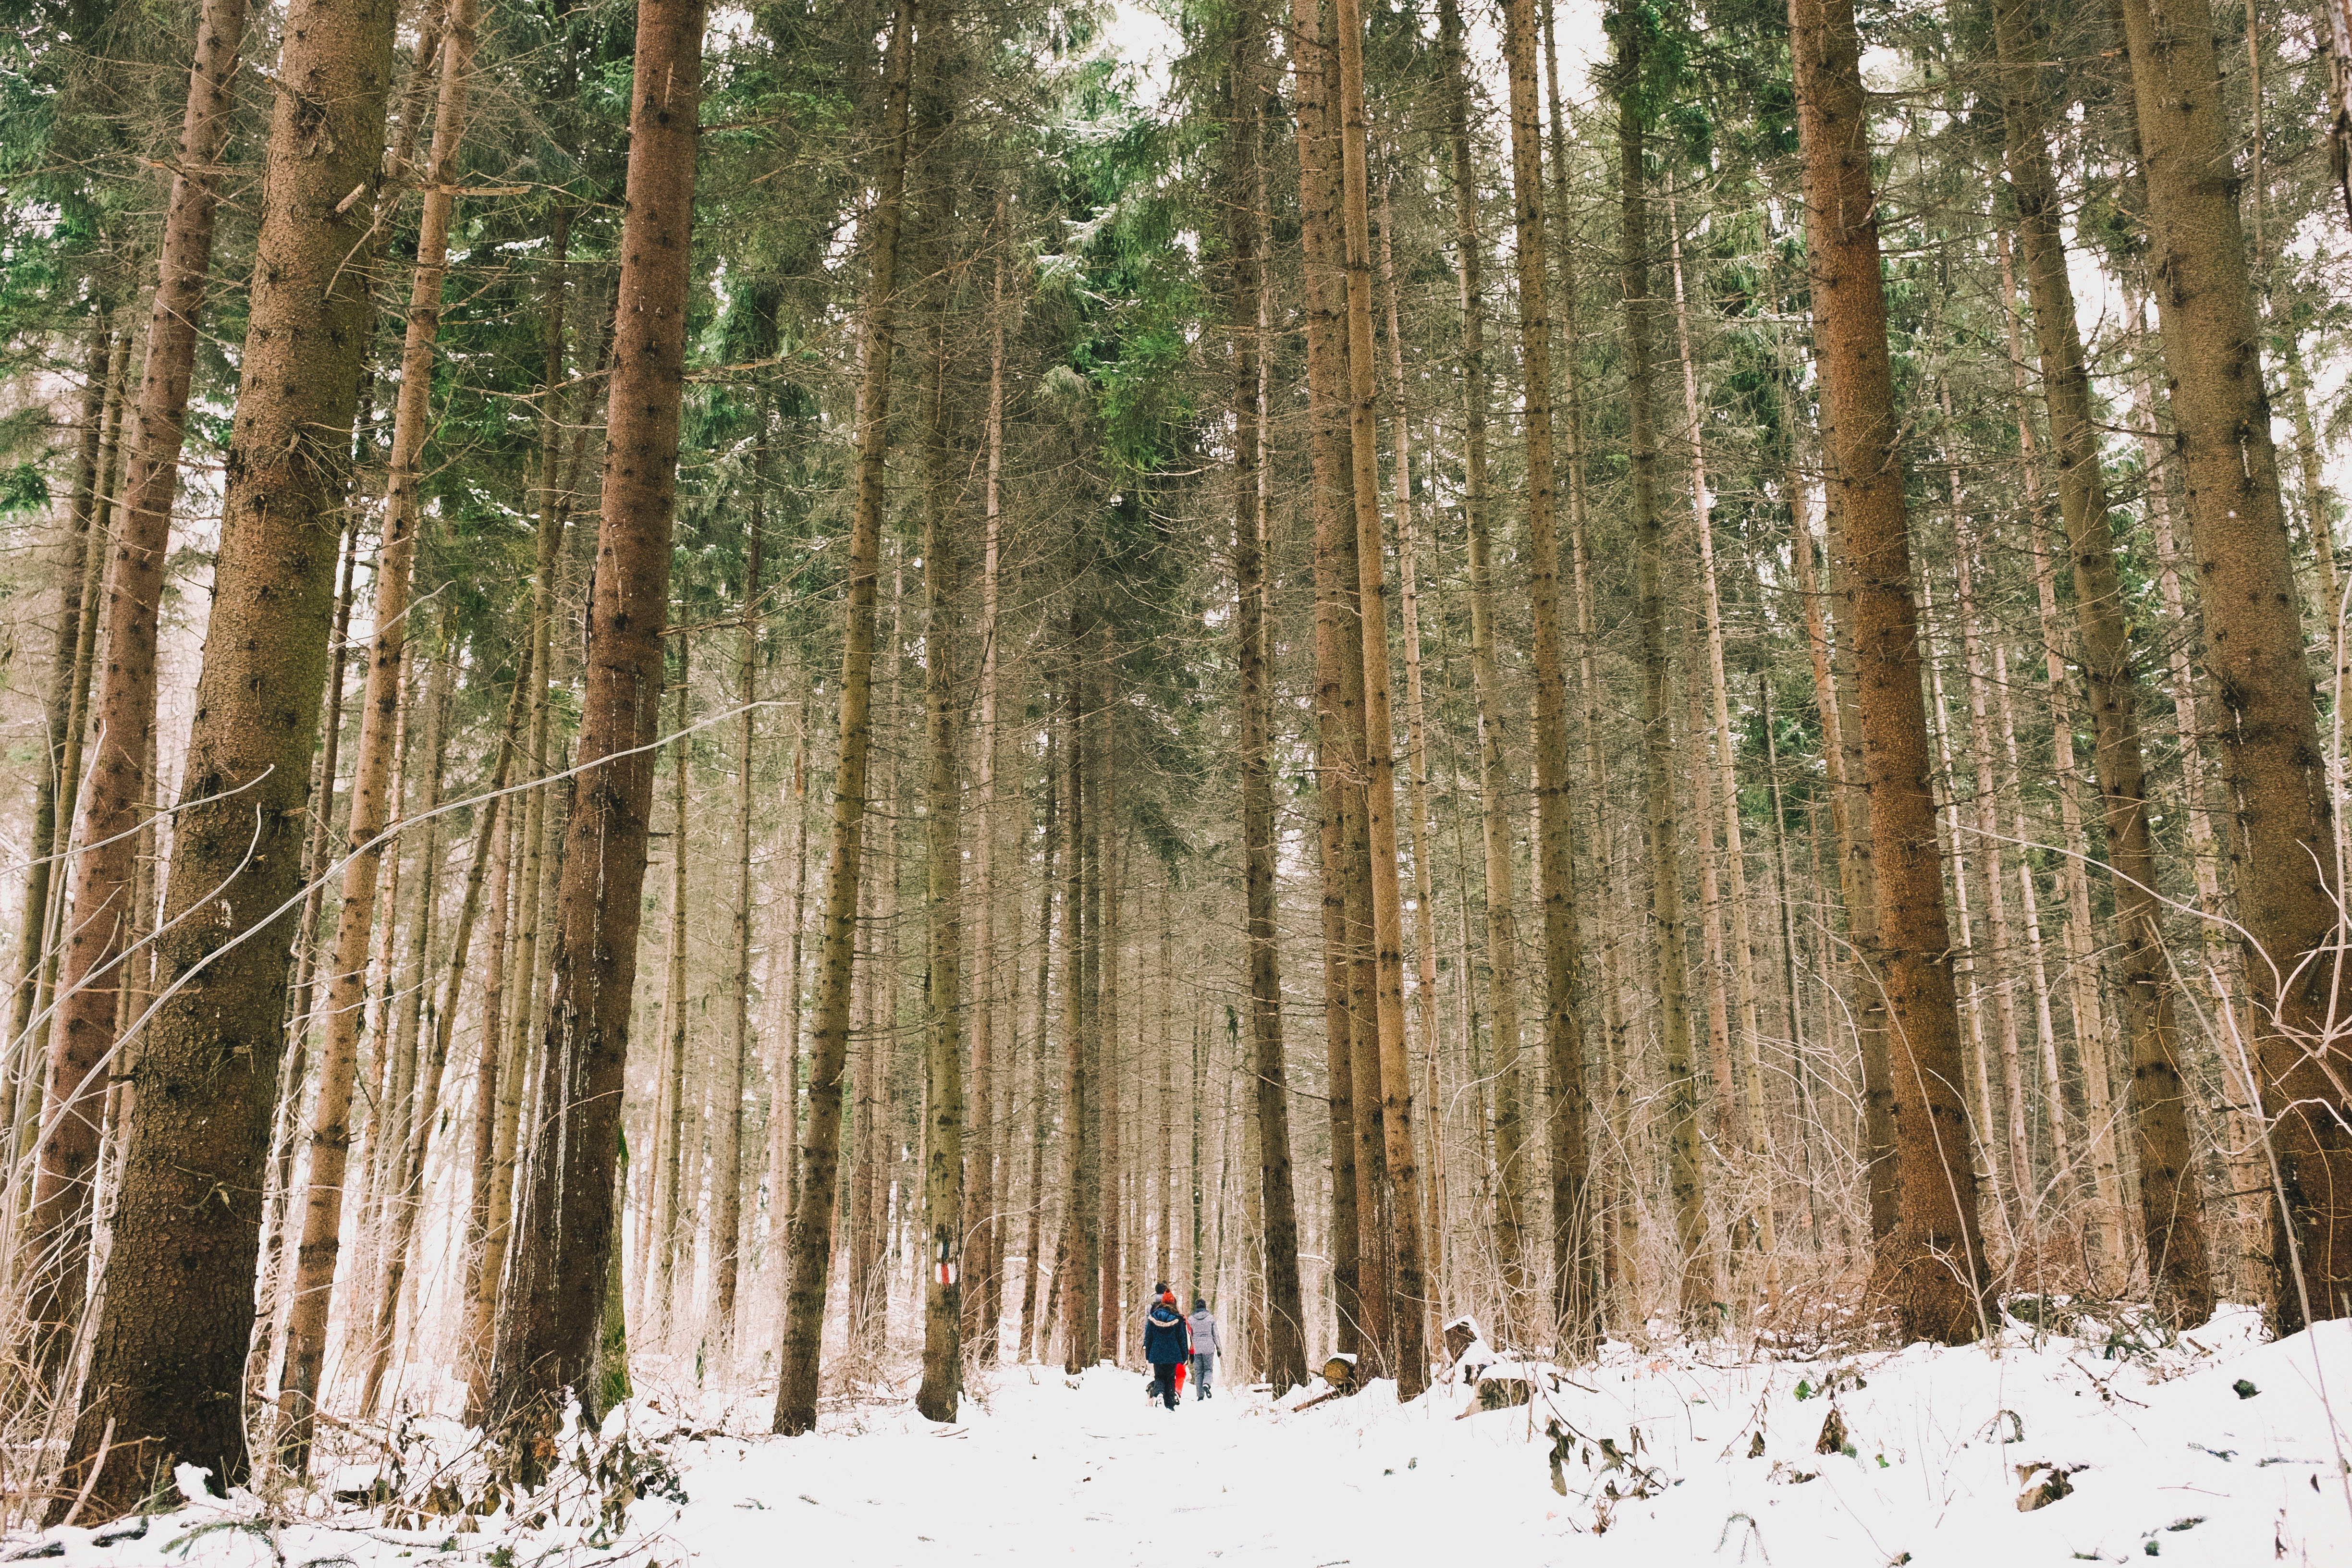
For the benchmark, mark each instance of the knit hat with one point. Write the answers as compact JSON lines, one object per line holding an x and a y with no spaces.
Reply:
{"x":1169,"y":1297}
{"x":1200,"y":1304}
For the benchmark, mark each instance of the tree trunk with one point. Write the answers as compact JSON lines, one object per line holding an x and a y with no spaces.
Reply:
{"x":1337,"y":672}
{"x":1285,"y":1365}
{"x":1989,"y":859}
{"x":1930,"y":1269}
{"x":53,"y":785}
{"x":1696,"y":1289}
{"x":1575,"y":1283}
{"x":2109,"y":1258}
{"x":1511,"y":1162}
{"x":675,"y":1238}
{"x":542,"y":804}
{"x":1849,"y":810}
{"x":404,"y":1200}
{"x":548,"y":1335}
{"x":1756,"y":1122}
{"x":1034,"y":1329}
{"x":943,"y":1093}
{"x":2188,"y":212}
{"x":1403,"y":1185}
{"x":1076,"y":1263}
{"x":812,"y":1216}
{"x":175,"y":1328}
{"x":985,"y":1299}
{"x":104,"y":862}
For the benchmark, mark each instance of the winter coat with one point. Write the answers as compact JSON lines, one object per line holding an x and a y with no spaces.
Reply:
{"x":1204,"y":1334}
{"x":1167,"y":1341}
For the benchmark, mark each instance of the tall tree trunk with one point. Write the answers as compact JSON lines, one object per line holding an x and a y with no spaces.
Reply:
{"x":674,"y":1240}
{"x":1575,"y":1274}
{"x":727,"y":1231}
{"x":1930,"y":1269}
{"x":1076,"y":1263}
{"x":548,"y":1334}
{"x":406,"y":1204}
{"x":53,"y":785}
{"x":347,"y":981}
{"x":177,"y":1319}
{"x":943,"y":1093}
{"x":1849,"y":808}
{"x":1035,"y":1330}
{"x":2109,"y":1257}
{"x":541,"y":805}
{"x":1989,"y":859}
{"x":984,"y":1287}
{"x":1285,"y":1365}
{"x":1695,"y":1266}
{"x":1502,"y":925}
{"x":1337,"y":673}
{"x":2172,"y":1209}
{"x":1411,"y":1285}
{"x":1756,"y":1122}
{"x":812,"y":1215}
{"x":1105,"y":881}
{"x":104,"y":863}
{"x":491,"y":1052}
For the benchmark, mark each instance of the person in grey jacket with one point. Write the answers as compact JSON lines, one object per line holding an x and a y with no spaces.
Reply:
{"x":1204,"y":1347}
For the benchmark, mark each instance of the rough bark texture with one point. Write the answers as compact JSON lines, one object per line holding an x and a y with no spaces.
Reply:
{"x":1338,"y":677}
{"x":1502,"y":923}
{"x":105,"y":860}
{"x":173,"y":1329}
{"x":548,"y":1331}
{"x":1285,"y":1365}
{"x":943,"y":1095}
{"x":1576,"y":1293}
{"x":314,"y":1271}
{"x":1930,"y":1269}
{"x":2172,"y":1207}
{"x":813,"y":1212}
{"x":1662,"y":830}
{"x":2284,"y":844}
{"x":1409,"y":1310}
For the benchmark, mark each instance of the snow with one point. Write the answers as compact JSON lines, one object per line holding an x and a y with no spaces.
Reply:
{"x":2162,"y":1453}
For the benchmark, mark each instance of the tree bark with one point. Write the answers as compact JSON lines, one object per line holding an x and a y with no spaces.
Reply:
{"x":984,"y":1289}
{"x":403,"y":1199}
{"x":53,"y":785}
{"x":1575,"y":1275}
{"x":347,"y":981}
{"x":1511,"y":1162}
{"x":105,"y":849}
{"x":812,"y":1214}
{"x":177,"y":1319}
{"x":944,"y":1146}
{"x":548,"y":1334}
{"x":1286,"y":1338}
{"x":1930,"y":1269}
{"x":2284,"y":847}
{"x":1695,"y":1264}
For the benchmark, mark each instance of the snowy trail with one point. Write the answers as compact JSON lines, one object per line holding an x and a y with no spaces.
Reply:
{"x":1671,"y":1460}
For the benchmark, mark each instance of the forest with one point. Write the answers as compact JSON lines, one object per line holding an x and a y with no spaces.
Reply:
{"x":718,"y":698}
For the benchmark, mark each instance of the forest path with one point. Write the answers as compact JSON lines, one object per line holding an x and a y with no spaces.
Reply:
{"x":1677,"y":1458}
{"x":1092,"y":1474}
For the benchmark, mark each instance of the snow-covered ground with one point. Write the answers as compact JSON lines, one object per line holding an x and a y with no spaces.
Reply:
{"x":2218,"y":1450}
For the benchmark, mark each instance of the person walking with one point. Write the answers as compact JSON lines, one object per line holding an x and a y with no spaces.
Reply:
{"x":1203,"y":1326}
{"x":1167,"y":1344}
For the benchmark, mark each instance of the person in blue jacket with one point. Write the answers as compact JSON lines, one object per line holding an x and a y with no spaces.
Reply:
{"x":1167,"y":1345}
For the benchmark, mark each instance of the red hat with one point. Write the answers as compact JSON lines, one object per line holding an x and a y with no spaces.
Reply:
{"x":1168,"y":1295}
